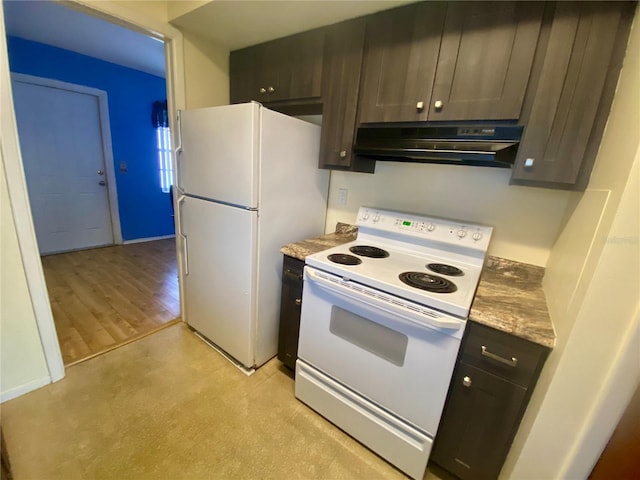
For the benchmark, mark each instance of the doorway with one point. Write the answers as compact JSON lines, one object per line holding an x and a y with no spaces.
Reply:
{"x":100,"y":298}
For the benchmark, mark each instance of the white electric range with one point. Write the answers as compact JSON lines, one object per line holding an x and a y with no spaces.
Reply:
{"x":381,"y":324}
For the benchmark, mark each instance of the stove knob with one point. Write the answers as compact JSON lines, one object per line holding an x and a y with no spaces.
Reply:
{"x":365,"y":217}
{"x":376,"y":218}
{"x":461,"y":233}
{"x":477,"y":236}
{"x":431,"y":227}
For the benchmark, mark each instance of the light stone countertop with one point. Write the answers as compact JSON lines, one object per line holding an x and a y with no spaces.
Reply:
{"x":344,"y":233}
{"x":509,"y":296}
{"x":510,"y":299}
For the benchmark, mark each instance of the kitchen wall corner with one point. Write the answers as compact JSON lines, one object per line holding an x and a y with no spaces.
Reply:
{"x":206,"y":72}
{"x":592,"y":283}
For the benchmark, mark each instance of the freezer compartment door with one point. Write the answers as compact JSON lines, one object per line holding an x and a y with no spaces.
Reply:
{"x":218,"y":242}
{"x":218,"y":153}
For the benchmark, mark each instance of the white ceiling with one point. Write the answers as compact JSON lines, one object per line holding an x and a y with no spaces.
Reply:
{"x":230,"y":23}
{"x":54,"y":24}
{"x":240,"y":23}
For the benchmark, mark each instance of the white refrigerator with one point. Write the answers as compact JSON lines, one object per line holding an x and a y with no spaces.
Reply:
{"x":247,"y":183}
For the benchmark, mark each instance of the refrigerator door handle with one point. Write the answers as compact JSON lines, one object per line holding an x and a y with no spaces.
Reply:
{"x":178,"y":151}
{"x":183,"y":237}
{"x":185,"y":254}
{"x":179,"y":118}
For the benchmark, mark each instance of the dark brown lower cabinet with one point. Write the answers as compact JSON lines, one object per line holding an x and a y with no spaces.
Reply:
{"x":489,"y":392}
{"x":290,"y":307}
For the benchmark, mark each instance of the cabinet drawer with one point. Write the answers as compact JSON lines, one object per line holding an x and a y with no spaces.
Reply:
{"x":292,"y":270}
{"x":502,"y":354}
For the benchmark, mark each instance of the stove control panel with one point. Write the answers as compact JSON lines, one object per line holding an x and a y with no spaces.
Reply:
{"x":430,"y":228}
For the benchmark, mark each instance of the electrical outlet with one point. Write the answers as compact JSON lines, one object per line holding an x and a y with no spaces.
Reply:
{"x":342,"y":196}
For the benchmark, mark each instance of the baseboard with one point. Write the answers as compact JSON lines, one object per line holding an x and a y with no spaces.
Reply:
{"x":20,"y":390}
{"x":147,"y":239}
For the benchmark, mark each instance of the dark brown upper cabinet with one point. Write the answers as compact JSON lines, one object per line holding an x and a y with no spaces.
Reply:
{"x":401,"y":56}
{"x":285,"y":69}
{"x":340,"y":86}
{"x":578,"y":64}
{"x":449,"y":61}
{"x":485,"y":59}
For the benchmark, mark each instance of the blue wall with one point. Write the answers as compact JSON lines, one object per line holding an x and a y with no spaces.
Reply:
{"x":144,"y":210}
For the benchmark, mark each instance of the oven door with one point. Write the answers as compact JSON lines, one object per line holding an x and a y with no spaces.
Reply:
{"x":379,"y":346}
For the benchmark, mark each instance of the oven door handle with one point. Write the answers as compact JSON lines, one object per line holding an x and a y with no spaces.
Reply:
{"x":397,"y":310}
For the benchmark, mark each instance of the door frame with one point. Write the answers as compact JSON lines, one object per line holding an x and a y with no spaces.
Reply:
{"x":14,"y":172}
{"x":105,"y":131}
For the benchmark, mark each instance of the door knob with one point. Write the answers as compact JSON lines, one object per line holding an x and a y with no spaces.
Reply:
{"x":466,"y":381}
{"x":100,"y":172}
{"x":102,"y":182}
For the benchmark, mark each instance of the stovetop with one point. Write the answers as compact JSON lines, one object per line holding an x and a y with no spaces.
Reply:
{"x":408,"y":244}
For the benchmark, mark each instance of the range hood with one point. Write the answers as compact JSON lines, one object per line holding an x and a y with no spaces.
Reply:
{"x":480,"y":145}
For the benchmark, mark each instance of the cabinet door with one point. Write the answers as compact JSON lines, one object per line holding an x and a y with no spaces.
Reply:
{"x":400,"y":62}
{"x":243,"y":84}
{"x":288,"y":68}
{"x":301,"y":70}
{"x":290,"y":308}
{"x":573,"y":95}
{"x":485,"y":59}
{"x":340,"y":86}
{"x":478,"y":424}
{"x":270,"y":63}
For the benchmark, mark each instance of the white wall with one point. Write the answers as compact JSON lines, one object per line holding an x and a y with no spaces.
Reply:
{"x":22,"y":356}
{"x":526,"y":220}
{"x":592,"y":284}
{"x":206,"y":72}
{"x":22,"y":361}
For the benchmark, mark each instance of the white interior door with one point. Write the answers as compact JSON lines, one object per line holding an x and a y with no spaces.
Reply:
{"x":63,"y":156}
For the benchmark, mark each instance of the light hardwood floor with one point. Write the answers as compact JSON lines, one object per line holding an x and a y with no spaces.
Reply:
{"x":106,"y":297}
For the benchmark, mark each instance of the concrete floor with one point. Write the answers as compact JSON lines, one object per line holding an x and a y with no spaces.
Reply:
{"x":168,"y":406}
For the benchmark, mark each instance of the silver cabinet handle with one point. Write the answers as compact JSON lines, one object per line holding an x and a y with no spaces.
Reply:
{"x":271,"y":89}
{"x":343,"y":153}
{"x":263,"y":90}
{"x":420,"y":106}
{"x":505,"y":361}
{"x":466,"y":381}
{"x":100,"y":172}
{"x":298,"y":301}
{"x":438,"y":104}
